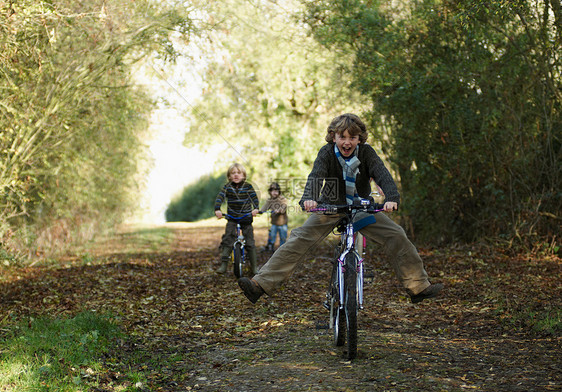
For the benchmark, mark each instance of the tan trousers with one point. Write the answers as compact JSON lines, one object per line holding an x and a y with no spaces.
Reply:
{"x":401,"y":253}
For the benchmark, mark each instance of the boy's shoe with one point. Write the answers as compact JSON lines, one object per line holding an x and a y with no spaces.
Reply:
{"x":429,"y":292}
{"x":251,"y":289}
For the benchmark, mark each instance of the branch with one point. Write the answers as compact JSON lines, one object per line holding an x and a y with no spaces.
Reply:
{"x":557,"y":9}
{"x":550,"y":215}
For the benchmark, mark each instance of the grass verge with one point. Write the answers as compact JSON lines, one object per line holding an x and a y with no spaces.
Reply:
{"x":543,"y":321}
{"x":56,"y":354}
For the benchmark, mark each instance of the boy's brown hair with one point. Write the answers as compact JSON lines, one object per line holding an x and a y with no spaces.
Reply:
{"x":238,"y":166}
{"x":347,"y":122}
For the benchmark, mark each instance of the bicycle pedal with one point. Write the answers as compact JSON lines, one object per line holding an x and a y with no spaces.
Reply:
{"x":326,"y":305}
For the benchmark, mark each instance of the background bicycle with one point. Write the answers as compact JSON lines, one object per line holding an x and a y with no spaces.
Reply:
{"x":239,"y":253}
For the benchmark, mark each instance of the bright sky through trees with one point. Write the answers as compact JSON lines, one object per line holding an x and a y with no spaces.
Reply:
{"x":172,"y":166}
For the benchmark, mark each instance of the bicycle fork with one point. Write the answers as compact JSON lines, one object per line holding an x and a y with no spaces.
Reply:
{"x":360,"y":282}
{"x":242,"y":241}
{"x":341,"y":276}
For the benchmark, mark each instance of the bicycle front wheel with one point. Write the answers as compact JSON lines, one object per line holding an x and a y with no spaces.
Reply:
{"x":237,"y":259}
{"x":337,"y":315}
{"x":351,"y":307}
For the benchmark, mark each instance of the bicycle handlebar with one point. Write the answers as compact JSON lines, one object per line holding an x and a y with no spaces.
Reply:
{"x":332,"y":209}
{"x":237,"y":218}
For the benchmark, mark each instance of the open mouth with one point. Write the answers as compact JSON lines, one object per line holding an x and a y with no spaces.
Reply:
{"x":346,"y":150}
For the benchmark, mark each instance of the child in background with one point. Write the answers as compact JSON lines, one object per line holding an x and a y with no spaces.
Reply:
{"x":278,"y":206}
{"x":241,"y":199}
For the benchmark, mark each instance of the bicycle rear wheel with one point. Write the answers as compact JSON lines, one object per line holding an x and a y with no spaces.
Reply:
{"x":237,"y":259}
{"x":351,"y":307}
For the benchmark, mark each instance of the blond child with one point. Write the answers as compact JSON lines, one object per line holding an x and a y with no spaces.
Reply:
{"x":242,"y":202}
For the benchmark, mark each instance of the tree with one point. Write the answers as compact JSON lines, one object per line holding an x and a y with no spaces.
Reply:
{"x":466,"y":96}
{"x":267,"y":95}
{"x":70,"y":114}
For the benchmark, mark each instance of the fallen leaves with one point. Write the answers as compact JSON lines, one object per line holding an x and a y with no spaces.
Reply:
{"x":191,"y":329}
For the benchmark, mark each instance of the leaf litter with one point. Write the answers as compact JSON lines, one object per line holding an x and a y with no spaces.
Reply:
{"x":189,"y":328}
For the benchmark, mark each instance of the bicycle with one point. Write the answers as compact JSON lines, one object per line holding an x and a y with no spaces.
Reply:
{"x":344,"y":297}
{"x":238,"y":254}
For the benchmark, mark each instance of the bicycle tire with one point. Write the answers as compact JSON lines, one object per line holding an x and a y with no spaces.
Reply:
{"x":237,"y":260}
{"x":337,"y":318}
{"x":351,"y":307}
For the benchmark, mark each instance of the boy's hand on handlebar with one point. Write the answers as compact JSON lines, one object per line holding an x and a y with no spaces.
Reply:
{"x":390,"y":206}
{"x":218,"y":214}
{"x":309,"y":204}
{"x":255,"y":212}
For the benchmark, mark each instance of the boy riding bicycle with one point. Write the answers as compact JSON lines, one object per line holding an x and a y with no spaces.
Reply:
{"x":342,"y":172}
{"x":241,"y":200}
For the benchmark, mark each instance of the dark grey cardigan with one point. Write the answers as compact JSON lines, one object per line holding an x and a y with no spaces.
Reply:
{"x":325,"y":183}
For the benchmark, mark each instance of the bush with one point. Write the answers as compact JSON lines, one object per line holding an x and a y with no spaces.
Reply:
{"x":196,"y":201}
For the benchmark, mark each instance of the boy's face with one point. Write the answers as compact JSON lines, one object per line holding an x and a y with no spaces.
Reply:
{"x":236,"y":176}
{"x":274,"y":193}
{"x":346,"y":143}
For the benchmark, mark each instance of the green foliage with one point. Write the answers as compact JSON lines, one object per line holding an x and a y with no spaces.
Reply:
{"x":466,"y":99}
{"x":544,"y":321}
{"x":197,"y":201}
{"x":147,"y":239}
{"x":549,"y":322}
{"x":267,"y":96}
{"x":55,"y":354}
{"x":72,"y":121}
{"x":7,"y":258}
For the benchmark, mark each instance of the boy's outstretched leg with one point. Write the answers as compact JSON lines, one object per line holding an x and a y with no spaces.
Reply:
{"x":403,"y":257}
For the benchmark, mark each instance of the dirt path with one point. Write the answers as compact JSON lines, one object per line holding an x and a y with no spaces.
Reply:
{"x":191,"y":329}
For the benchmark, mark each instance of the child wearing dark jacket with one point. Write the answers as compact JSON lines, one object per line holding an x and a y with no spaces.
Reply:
{"x":242,"y":202}
{"x":341,"y":172}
